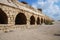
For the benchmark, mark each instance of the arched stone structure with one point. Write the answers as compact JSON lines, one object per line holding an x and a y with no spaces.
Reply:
{"x":3,"y":17}
{"x":32,"y":20}
{"x":15,"y":14}
{"x":38,"y":21}
{"x":20,"y":19}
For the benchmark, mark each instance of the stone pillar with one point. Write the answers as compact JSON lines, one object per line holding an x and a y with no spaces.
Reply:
{"x":40,"y":20}
{"x":43,"y":20}
{"x":28,"y":23}
{"x":11,"y":19}
{"x":36,"y":20}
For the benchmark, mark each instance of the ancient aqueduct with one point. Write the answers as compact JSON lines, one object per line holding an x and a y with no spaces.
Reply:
{"x":15,"y":14}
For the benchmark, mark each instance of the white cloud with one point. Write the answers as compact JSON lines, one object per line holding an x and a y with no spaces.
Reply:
{"x":48,"y":6}
{"x":34,"y":5}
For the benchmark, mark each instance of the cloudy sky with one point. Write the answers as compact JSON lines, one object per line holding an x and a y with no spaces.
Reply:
{"x":49,"y":7}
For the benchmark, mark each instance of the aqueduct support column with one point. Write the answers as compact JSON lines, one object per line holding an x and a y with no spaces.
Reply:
{"x":11,"y":20}
{"x":43,"y":20}
{"x":28,"y":23}
{"x":11,"y":17}
{"x":40,"y":20}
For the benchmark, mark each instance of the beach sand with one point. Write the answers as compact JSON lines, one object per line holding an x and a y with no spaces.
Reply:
{"x":43,"y":32}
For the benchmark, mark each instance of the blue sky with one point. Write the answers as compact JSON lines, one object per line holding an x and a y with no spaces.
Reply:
{"x":50,"y":7}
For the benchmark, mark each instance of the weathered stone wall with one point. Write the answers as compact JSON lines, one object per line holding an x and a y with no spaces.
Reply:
{"x":12,"y":12}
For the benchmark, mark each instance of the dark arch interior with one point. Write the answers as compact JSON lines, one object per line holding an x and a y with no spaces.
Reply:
{"x":32,"y":20}
{"x":41,"y":20}
{"x":3,"y":17}
{"x":38,"y":21}
{"x":20,"y":19}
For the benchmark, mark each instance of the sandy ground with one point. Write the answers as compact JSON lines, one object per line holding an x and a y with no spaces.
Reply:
{"x":43,"y":32}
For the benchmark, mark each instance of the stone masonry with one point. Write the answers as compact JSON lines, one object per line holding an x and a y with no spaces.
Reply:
{"x":14,"y":14}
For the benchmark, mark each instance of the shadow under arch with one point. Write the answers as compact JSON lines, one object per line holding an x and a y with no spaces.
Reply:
{"x":32,"y":20}
{"x":3,"y":17}
{"x":38,"y":21}
{"x":20,"y":19}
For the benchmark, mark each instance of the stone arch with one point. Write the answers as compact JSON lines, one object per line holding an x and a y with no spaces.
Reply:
{"x":41,"y":20}
{"x":20,"y":19}
{"x":38,"y":21}
{"x":3,"y":17}
{"x":32,"y":20}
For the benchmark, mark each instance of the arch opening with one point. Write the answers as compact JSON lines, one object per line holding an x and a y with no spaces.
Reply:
{"x":38,"y":21}
{"x":32,"y":20}
{"x":3,"y":17}
{"x":20,"y":19}
{"x":41,"y":20}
